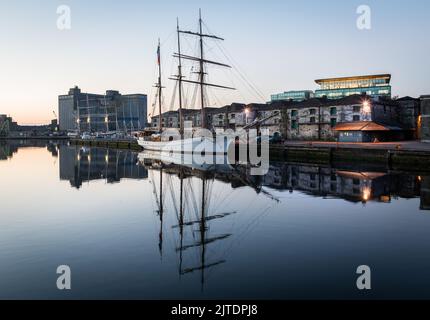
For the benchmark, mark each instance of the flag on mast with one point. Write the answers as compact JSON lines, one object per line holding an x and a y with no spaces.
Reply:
{"x":158,"y":53}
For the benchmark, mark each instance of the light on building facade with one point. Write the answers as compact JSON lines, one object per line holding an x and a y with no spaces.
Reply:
{"x":366,"y":106}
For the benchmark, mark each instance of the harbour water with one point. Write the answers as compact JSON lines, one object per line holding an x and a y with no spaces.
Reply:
{"x":131,"y":229}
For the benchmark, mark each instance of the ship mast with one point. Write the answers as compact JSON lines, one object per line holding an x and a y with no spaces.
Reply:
{"x":202,"y":72}
{"x":181,"y":119}
{"x":202,"y":63}
{"x":159,"y":86}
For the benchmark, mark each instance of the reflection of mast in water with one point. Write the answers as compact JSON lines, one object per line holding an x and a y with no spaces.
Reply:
{"x":160,"y":208}
{"x":161,"y":213}
{"x":181,"y":217}
{"x":203,"y":228}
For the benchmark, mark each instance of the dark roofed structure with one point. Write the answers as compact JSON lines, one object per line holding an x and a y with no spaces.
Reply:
{"x":365,"y":126}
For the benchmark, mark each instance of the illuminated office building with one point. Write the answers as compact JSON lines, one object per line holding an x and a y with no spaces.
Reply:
{"x":371,"y":85}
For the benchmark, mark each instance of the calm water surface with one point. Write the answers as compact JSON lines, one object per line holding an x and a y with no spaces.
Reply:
{"x":301,"y":231}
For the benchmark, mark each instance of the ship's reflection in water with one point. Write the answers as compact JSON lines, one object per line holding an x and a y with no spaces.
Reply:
{"x":136,"y":225}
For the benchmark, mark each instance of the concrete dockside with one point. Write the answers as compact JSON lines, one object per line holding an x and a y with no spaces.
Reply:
{"x":395,"y":159}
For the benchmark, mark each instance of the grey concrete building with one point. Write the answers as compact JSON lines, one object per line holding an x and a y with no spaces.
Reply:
{"x":345,"y":119}
{"x":425,"y":118}
{"x":4,"y":125}
{"x":354,"y":118}
{"x":112,"y":111}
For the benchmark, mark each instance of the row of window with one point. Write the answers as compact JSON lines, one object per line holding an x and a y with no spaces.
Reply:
{"x":312,"y":120}
{"x":333,"y":111}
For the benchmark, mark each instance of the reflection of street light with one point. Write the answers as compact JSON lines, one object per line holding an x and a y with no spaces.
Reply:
{"x":366,"y":194}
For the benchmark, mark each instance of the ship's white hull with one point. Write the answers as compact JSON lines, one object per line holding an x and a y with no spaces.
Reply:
{"x":190,"y":145}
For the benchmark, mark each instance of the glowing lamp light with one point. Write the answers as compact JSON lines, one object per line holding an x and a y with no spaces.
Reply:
{"x":247,"y":111}
{"x":366,"y":106}
{"x":77,"y":120}
{"x":88,"y":120}
{"x":106,"y":119}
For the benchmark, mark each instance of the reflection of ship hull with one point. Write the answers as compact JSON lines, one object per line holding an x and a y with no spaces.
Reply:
{"x":218,"y":162}
{"x":190,"y":145}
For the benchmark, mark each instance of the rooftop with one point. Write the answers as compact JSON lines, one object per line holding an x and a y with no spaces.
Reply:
{"x":365,"y":126}
{"x":365,"y":77}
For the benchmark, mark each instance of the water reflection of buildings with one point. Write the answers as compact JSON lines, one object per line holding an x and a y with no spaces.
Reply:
{"x":7,"y":150}
{"x":425,"y":193}
{"x":323,"y":181}
{"x":9,"y":147}
{"x":80,"y":164}
{"x":355,"y":186}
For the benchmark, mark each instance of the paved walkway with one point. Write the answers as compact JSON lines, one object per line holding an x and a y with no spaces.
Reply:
{"x":401,"y":145}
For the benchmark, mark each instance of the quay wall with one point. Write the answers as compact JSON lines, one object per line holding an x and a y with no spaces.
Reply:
{"x":392,"y":159}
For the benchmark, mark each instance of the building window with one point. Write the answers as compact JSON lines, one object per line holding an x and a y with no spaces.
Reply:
{"x":357,"y":108}
{"x":333,"y":111}
{"x":312,"y":120}
{"x":356,"y":118}
{"x":333,"y":122}
{"x":294,"y":113}
{"x":294,"y":124}
{"x":313,"y":111}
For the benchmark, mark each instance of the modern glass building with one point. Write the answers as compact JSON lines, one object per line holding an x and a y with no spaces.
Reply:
{"x":298,"y":96}
{"x":371,"y":85}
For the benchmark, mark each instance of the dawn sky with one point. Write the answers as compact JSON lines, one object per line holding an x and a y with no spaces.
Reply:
{"x":279,"y":45}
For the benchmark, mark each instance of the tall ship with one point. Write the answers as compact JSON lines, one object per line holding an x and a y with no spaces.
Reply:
{"x":185,"y":142}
